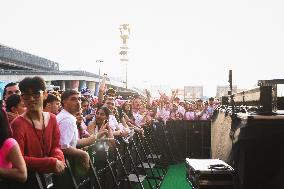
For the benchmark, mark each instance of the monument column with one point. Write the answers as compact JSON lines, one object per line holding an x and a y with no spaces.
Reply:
{"x":74,"y":84}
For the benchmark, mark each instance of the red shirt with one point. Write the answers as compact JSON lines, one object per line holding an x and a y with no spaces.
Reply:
{"x":32,"y":145}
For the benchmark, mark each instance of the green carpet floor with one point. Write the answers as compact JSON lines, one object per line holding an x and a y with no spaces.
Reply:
{"x":175,"y":178}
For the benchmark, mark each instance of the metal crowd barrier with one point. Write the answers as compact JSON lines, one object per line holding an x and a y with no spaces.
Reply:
{"x":137,"y":162}
{"x":185,"y":139}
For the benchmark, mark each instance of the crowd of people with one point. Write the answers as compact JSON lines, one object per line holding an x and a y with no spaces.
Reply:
{"x":39,"y":128}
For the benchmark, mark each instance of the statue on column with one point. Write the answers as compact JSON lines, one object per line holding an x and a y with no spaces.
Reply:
{"x":124,"y":33}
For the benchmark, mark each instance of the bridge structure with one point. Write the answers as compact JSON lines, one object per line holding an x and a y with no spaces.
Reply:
{"x":16,"y":65}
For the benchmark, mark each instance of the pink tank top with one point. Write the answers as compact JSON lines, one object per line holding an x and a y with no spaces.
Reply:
{"x":4,"y":151}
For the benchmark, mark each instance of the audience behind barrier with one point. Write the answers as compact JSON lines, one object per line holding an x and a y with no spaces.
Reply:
{"x":83,"y":120}
{"x":188,"y":110}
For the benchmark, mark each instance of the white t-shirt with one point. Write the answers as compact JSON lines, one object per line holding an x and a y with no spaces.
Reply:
{"x":138,"y":118}
{"x":181,"y":110}
{"x":190,"y":115}
{"x":68,"y":129}
{"x":163,"y":114}
{"x":112,"y":122}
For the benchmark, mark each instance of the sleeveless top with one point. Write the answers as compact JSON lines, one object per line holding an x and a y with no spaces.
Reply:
{"x":8,"y":144}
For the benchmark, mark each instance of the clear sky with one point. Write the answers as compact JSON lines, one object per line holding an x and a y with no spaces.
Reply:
{"x":175,"y":43}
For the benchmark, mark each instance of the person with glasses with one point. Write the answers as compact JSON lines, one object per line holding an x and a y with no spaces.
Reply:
{"x":37,"y":132}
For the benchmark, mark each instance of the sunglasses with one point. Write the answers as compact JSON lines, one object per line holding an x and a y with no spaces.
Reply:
{"x":35,"y":95}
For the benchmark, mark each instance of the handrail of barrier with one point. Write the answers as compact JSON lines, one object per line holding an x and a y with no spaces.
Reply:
{"x":158,"y":135}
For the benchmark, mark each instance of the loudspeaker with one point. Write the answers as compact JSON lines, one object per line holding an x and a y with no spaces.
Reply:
{"x":258,"y":154}
{"x":280,"y":103}
{"x":199,"y":139}
{"x":225,"y":100}
{"x":266,"y":98}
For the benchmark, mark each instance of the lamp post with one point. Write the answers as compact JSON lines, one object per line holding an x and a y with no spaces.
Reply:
{"x":100,"y":62}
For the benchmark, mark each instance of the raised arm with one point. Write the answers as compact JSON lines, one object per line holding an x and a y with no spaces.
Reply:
{"x":102,"y":89}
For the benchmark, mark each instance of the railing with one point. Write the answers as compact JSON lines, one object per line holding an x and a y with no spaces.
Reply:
{"x":28,"y":72}
{"x":139,"y":161}
{"x":21,"y":57}
{"x":185,"y":138}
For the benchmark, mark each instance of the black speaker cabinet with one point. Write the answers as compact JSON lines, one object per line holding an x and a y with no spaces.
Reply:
{"x":259,"y":154}
{"x":199,"y":139}
{"x":225,"y":100}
